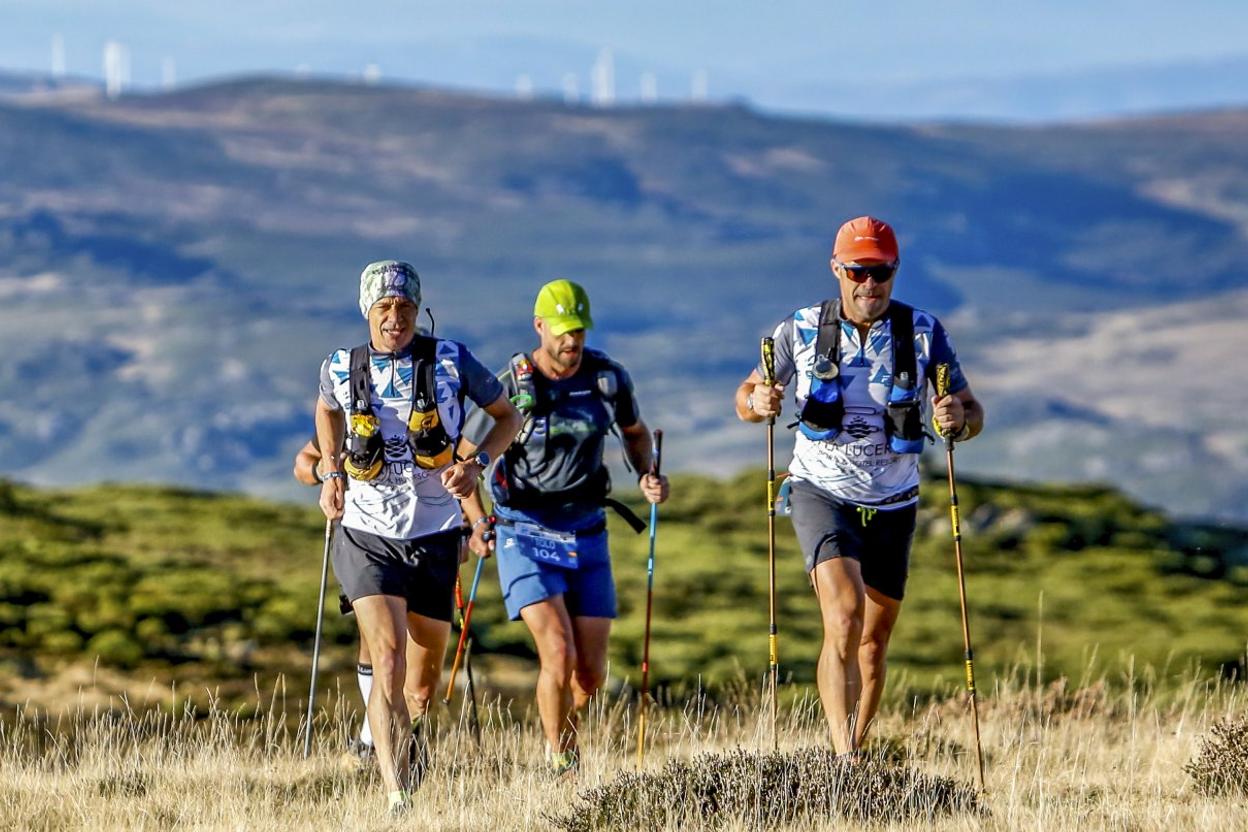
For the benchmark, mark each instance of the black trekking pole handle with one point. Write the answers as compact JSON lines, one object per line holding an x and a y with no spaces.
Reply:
{"x":656,"y":461}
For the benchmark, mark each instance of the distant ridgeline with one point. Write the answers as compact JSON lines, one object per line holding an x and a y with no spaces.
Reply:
{"x":198,"y":586}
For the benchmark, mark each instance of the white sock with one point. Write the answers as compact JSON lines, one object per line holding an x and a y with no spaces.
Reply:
{"x":364,"y":675}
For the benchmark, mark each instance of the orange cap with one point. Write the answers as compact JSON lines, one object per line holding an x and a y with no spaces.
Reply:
{"x":865,"y":238}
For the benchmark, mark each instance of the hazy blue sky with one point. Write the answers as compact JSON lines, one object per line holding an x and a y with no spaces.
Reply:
{"x":784,"y":54}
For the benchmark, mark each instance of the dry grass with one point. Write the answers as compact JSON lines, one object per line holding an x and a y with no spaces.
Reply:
{"x":1093,"y":757}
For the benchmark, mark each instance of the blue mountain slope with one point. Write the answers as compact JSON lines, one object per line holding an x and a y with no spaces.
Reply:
{"x":208,"y":243}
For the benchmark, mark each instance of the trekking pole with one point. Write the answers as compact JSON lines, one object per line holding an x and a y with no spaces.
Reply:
{"x":942,"y":390}
{"x":463,"y":633}
{"x":773,"y":649}
{"x":655,"y":465}
{"x":472,"y":690}
{"x":316,"y":644}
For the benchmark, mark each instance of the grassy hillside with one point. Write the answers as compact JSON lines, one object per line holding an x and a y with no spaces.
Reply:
{"x":214,"y":589}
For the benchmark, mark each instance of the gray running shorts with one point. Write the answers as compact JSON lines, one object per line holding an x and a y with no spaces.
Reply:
{"x":421,"y":570}
{"x":879,"y":539}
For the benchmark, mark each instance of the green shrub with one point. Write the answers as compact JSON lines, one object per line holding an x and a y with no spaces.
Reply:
{"x":284,"y":619}
{"x":12,"y":615}
{"x":116,"y":648}
{"x":108,"y":613}
{"x":46,"y":618}
{"x":64,"y":643}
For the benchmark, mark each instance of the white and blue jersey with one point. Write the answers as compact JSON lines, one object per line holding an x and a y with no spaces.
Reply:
{"x":406,"y":501}
{"x":857,"y":465}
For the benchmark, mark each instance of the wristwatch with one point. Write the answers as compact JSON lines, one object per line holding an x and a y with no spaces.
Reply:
{"x":483,"y":459}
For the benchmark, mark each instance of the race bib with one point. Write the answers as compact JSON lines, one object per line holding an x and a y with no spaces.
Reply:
{"x":545,"y":545}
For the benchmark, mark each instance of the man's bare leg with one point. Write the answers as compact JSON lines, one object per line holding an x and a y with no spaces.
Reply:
{"x":590,"y":635}
{"x":553,"y":634}
{"x":878,"y":622}
{"x":839,"y":588}
{"x":426,"y":653}
{"x":383,"y":624}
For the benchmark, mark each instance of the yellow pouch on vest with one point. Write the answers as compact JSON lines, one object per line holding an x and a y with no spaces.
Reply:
{"x":357,"y":472}
{"x":423,"y":421}
{"x":364,"y":425}
{"x":438,"y":460}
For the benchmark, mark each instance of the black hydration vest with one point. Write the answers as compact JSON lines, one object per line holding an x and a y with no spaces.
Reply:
{"x":536,"y":401}
{"x":821,"y":416}
{"x":426,"y":435}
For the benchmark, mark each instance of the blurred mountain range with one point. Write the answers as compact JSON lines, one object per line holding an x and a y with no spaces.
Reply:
{"x":174,"y":267}
{"x":1082,"y":93}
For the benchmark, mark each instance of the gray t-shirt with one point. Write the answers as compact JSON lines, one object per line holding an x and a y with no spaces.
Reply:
{"x":570,"y":423}
{"x":406,"y":501}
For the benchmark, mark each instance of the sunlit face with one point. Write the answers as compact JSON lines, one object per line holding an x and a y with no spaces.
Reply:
{"x":564,"y":351}
{"x":865,"y":301}
{"x":392,"y":324}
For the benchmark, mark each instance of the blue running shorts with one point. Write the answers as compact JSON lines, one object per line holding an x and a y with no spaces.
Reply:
{"x":588,"y":590}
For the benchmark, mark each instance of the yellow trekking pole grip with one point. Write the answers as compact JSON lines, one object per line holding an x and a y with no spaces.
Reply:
{"x":769,"y":360}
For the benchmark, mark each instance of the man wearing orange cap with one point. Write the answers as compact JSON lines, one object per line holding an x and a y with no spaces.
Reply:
{"x":854,"y":479}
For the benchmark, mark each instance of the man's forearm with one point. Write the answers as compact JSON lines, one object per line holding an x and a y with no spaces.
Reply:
{"x":473,"y":507}
{"x":305,"y":469}
{"x":500,"y":435}
{"x":330,"y":427}
{"x":741,"y":402}
{"x":973,"y":415}
{"x":640,"y":450}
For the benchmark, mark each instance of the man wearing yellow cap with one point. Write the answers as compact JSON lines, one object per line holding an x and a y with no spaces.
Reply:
{"x":860,"y":362}
{"x":549,"y":490}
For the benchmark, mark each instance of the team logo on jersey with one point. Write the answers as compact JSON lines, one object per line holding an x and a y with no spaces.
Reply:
{"x":859,"y":428}
{"x":396,"y":449}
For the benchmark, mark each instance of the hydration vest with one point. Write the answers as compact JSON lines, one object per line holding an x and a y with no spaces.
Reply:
{"x":535,"y":407}
{"x":821,"y":416}
{"x":536,"y":402}
{"x":427,"y":437}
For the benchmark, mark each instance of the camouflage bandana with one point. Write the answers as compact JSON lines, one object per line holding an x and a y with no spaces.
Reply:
{"x":388,"y":279}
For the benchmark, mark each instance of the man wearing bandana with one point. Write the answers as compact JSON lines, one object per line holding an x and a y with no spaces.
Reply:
{"x":392,"y":409}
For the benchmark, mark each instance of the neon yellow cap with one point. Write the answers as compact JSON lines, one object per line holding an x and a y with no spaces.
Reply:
{"x":564,"y":306}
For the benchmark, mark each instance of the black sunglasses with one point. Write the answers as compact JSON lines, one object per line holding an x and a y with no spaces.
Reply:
{"x":881,"y":273}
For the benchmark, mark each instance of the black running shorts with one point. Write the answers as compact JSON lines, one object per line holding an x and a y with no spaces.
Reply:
{"x":879,"y":539}
{"x":421,"y":570}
